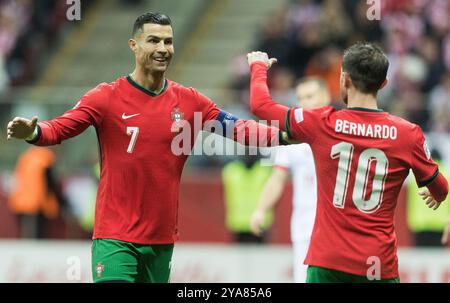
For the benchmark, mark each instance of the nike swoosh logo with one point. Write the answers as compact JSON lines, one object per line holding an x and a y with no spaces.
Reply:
{"x":128,"y":117}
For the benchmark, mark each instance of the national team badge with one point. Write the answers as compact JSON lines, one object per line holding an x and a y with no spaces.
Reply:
{"x":177,"y":117}
{"x":99,"y":269}
{"x":298,"y":113}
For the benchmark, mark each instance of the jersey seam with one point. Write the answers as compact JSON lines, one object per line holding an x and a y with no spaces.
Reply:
{"x":97,"y":131}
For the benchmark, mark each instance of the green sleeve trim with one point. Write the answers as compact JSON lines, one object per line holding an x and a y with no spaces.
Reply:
{"x":287,"y":125}
{"x":430,"y":180}
{"x":281,"y":140}
{"x":37,"y":137}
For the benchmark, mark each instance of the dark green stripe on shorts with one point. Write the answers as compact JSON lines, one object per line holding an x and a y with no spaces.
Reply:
{"x":317,"y":274}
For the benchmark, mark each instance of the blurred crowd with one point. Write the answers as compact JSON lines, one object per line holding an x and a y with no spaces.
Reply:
{"x":308,"y":38}
{"x":28,"y":29}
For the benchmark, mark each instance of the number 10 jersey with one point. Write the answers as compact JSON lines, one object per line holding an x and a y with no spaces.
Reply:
{"x":362,"y":158}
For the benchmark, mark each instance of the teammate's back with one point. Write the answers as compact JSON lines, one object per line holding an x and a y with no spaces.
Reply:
{"x":362,"y":157}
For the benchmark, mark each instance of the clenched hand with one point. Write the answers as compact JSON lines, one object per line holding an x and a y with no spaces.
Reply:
{"x":260,"y":57}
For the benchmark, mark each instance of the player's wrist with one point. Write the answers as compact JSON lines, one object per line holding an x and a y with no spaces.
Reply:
{"x":261,"y":211}
{"x":33,"y":135}
{"x":258,"y":63}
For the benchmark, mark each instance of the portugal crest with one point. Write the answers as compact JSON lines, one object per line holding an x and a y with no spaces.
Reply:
{"x":177,"y":118}
{"x":177,"y":115}
{"x":99,"y":269}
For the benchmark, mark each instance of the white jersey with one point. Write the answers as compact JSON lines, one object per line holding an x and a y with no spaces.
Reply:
{"x":298,"y":159}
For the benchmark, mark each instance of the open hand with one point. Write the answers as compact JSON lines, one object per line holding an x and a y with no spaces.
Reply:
{"x":21,"y":128}
{"x":429,"y":199}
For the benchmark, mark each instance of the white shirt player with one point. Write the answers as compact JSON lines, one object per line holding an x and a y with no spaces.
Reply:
{"x":298,"y":159}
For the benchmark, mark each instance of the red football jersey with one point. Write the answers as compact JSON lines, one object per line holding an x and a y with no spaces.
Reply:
{"x":137,"y":199}
{"x":362,"y":158}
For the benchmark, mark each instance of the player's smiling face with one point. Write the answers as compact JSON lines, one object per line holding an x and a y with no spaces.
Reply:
{"x":153,"y":46}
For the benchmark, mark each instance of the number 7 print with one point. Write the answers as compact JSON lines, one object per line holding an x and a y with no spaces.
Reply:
{"x":133,"y":131}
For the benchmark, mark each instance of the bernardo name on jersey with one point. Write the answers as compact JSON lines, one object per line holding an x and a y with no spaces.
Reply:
{"x":375,"y":131}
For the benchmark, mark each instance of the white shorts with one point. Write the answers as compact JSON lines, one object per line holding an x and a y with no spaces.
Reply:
{"x":299,"y":251}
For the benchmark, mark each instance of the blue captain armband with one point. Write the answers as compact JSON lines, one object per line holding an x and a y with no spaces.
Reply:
{"x":228,"y":122}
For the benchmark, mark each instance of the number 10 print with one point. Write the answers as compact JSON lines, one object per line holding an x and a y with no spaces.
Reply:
{"x":344,"y":151}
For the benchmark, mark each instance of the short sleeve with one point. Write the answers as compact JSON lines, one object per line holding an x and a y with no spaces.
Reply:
{"x":424,"y":168}
{"x":282,"y":158}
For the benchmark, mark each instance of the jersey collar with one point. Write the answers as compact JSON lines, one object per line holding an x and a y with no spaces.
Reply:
{"x":145,"y":90}
{"x":366,"y":109}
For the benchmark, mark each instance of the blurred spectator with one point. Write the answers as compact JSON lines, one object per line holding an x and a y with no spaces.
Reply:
{"x":27,"y":29}
{"x":274,"y":39}
{"x":427,"y":224}
{"x":403,"y":28}
{"x":334,"y":22}
{"x":243,"y":181}
{"x":4,"y":79}
{"x":431,"y":54}
{"x":362,"y":27}
{"x":440,"y":105}
{"x":326,"y":65}
{"x":81,"y":194}
{"x":282,"y":86}
{"x":36,"y":196}
{"x":302,"y":13}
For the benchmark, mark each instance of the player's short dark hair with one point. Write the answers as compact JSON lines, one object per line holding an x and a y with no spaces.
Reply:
{"x":367,"y":66}
{"x":150,"y":17}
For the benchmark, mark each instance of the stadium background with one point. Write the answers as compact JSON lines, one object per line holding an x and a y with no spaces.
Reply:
{"x":47,"y":62}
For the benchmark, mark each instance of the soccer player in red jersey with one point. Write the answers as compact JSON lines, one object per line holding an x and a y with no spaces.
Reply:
{"x":362,"y":156}
{"x":136,"y":119}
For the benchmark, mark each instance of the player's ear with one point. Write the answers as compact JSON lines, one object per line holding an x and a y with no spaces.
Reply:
{"x":132,"y":45}
{"x":385,"y":82}
{"x":347,"y":80}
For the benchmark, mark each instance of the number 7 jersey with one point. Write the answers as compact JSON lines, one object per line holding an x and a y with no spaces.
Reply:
{"x":137,"y":199}
{"x":362,"y":157}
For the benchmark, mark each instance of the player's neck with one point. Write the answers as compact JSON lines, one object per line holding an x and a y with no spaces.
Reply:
{"x":152,"y":82}
{"x":358,"y":99}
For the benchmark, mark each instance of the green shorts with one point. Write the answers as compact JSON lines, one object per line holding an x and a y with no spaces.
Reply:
{"x":114,"y":260}
{"x":317,"y":274}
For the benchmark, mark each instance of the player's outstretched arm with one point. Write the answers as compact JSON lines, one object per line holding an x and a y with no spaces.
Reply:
{"x":270,"y":196}
{"x":22,"y":128}
{"x":88,"y":111}
{"x":246,"y":132}
{"x":261,"y":103}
